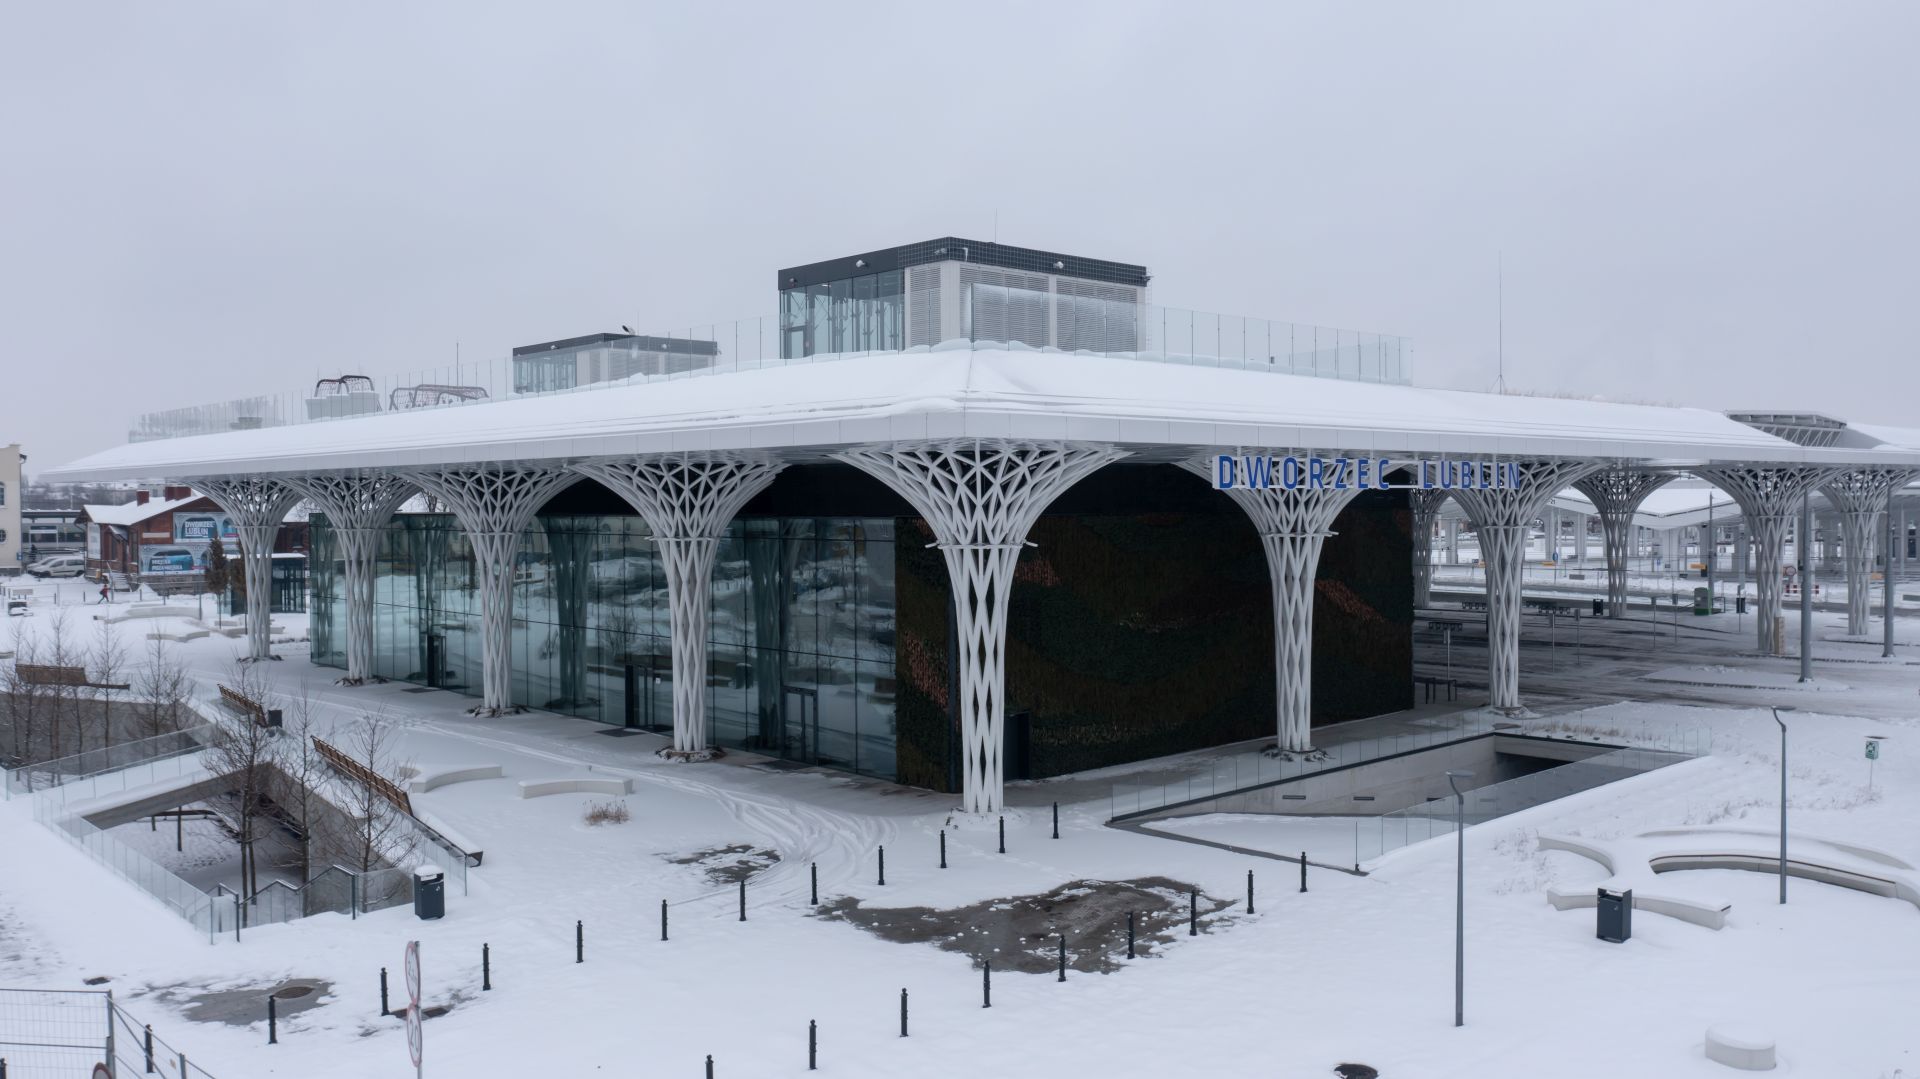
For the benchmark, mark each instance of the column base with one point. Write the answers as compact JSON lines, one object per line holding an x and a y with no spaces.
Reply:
{"x":481,"y":711}
{"x":690,"y":756}
{"x":257,"y":659}
{"x":1308,"y":754}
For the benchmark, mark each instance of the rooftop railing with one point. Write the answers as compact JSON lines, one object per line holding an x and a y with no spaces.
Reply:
{"x":1156,"y":334}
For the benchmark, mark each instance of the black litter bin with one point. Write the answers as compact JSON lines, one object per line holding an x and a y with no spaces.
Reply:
{"x":1740,"y":605}
{"x":429,"y":893}
{"x":1599,"y":608}
{"x":1615,"y":916}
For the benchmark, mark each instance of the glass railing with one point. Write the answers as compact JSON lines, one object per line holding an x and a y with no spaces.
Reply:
{"x":1156,"y":334}
{"x":1376,"y":836}
{"x":1215,"y":775}
{"x":113,"y":769}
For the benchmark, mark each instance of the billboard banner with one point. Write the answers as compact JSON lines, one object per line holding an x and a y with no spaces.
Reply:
{"x":160,"y":560}
{"x":204,"y":526}
{"x":93,"y":540}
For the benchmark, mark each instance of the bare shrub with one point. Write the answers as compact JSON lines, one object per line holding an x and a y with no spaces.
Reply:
{"x":613,"y":811}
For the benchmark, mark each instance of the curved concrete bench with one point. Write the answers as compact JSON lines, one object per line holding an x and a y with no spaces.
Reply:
{"x":427,"y":779}
{"x":1871,"y":854}
{"x":1575,"y":846}
{"x":535,"y":788}
{"x":1740,"y":1047}
{"x":1796,"y":867}
{"x":1699,"y":912}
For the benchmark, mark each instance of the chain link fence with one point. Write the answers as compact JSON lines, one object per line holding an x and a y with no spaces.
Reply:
{"x":67,"y":1033}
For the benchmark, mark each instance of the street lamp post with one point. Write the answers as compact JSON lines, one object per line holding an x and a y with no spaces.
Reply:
{"x":1886,"y":579}
{"x":1803,"y":544}
{"x":1783,"y":796}
{"x":1459,"y":896}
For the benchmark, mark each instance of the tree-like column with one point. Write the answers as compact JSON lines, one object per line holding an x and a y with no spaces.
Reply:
{"x":358,"y":506}
{"x":1503,"y":517}
{"x":494,"y":505}
{"x":258,"y":507}
{"x":687,"y":501}
{"x":981,"y":496}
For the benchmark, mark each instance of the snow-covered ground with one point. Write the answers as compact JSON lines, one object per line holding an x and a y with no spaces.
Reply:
{"x":1357,"y":969}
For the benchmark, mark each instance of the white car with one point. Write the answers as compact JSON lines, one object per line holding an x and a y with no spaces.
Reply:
{"x":65,"y":565}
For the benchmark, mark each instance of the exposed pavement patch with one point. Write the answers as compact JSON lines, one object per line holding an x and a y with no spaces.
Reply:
{"x":1022,"y":932}
{"x":730,"y":864}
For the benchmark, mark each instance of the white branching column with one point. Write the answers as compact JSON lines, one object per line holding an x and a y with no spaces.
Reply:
{"x":687,"y":501}
{"x":358,"y":506}
{"x":1294,"y":524}
{"x":1504,"y":518}
{"x":981,"y":496}
{"x":493,"y":506}
{"x":1425,"y":504}
{"x":1769,"y":497}
{"x":1860,"y":497}
{"x":258,"y":508}
{"x":1617,"y":493}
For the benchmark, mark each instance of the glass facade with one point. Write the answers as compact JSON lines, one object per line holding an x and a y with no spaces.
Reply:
{"x":854,"y":314}
{"x":800,"y":656}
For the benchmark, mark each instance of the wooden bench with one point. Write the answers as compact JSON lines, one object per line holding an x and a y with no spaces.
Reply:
{"x":47,"y":674}
{"x":252,"y":709}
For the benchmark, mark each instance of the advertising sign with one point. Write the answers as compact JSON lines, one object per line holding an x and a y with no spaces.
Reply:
{"x":203,"y":526}
{"x":1362,"y":474}
{"x":93,"y":540}
{"x":163,"y":559}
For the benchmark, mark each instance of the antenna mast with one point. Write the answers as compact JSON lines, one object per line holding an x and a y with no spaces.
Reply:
{"x":1500,"y":379}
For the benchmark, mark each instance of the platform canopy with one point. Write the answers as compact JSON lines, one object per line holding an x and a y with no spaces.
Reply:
{"x":1156,"y":410}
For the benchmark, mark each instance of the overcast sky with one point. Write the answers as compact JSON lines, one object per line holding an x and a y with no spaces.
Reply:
{"x":1697,"y":203}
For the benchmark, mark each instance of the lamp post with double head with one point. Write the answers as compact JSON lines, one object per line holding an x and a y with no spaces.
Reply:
{"x":1459,"y":895}
{"x":1783,"y":796}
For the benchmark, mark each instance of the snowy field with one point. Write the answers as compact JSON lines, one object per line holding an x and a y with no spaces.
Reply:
{"x":1357,"y":969}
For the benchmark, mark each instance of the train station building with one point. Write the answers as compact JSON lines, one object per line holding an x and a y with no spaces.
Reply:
{"x":961,"y":513}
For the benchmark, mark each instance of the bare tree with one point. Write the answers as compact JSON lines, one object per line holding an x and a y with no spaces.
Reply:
{"x":304,"y":770}
{"x":62,"y":700}
{"x":24,"y":703}
{"x":380,"y":836}
{"x":108,"y":660}
{"x":243,"y":750}
{"x":161,"y":689}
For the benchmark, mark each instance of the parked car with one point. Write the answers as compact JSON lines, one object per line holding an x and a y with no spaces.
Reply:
{"x":66,"y":565}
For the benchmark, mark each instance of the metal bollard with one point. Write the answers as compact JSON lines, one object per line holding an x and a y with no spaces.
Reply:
{"x":1249,"y":891}
{"x":709,"y":1066}
{"x":1056,"y":820}
{"x":273,"y":1022}
{"x":903,"y":1013}
{"x":1303,"y":871}
{"x":743,"y":899}
{"x":813,"y":1045}
{"x":1129,"y":934}
{"x":579,"y":941}
{"x":1003,"y":835}
{"x":943,"y":848}
{"x":486,"y":974}
{"x":383,"y":997}
{"x":813,"y":871}
{"x":1193,"y":913}
{"x":146,"y":1042}
{"x":986,"y":983}
{"x":663,"y":919}
{"x":1063,"y":957}
{"x":883,"y":864}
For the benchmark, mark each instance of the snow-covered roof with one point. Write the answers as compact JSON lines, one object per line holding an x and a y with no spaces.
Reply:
{"x":132,"y":513}
{"x":807,"y":409}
